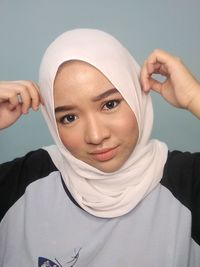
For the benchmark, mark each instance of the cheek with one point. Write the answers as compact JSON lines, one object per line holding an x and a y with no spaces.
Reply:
{"x":132,"y":126}
{"x":130,"y":134}
{"x":72,"y":141}
{"x":128,"y":125}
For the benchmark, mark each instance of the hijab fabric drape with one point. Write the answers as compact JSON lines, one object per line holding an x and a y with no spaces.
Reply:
{"x":102,"y":194}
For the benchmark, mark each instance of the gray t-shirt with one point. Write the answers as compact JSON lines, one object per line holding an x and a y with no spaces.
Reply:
{"x":42,"y":225}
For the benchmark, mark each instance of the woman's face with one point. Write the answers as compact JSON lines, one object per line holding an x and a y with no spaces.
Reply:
{"x":94,"y":122}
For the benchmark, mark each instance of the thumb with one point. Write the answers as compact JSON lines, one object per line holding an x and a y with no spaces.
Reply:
{"x":155,"y":85}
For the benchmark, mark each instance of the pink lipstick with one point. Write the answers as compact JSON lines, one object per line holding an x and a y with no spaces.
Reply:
{"x":104,"y":154}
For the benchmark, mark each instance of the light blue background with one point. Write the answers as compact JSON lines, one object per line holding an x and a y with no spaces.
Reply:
{"x":28,"y":27}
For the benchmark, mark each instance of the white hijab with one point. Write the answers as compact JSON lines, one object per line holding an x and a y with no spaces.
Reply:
{"x":104,"y":194}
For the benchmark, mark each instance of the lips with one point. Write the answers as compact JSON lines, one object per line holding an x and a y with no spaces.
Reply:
{"x":104,"y":154}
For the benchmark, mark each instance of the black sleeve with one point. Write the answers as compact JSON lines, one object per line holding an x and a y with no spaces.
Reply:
{"x":16,"y":175}
{"x":182,"y":178}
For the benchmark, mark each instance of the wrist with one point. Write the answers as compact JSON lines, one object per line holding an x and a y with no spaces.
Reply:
{"x":194,"y":105}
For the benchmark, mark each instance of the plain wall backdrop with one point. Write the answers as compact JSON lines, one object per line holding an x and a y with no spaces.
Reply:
{"x":27,"y":27}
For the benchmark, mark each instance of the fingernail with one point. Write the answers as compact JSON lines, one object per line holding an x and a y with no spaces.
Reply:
{"x":146,"y":87}
{"x":25,"y":112}
{"x":35,"y":107}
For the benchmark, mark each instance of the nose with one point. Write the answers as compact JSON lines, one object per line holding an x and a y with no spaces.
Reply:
{"x":96,"y":130}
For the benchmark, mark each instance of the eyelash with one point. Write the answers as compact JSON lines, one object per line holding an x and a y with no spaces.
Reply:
{"x":62,"y":119}
{"x":116,"y":102}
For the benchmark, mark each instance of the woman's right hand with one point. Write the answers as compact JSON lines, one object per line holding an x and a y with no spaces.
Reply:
{"x":16,"y":98}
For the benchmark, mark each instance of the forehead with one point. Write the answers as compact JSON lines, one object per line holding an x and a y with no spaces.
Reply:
{"x":78,"y":81}
{"x":77,"y":73}
{"x":76,"y":66}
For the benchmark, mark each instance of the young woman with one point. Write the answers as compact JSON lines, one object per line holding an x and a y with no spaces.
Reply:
{"x":104,"y":194}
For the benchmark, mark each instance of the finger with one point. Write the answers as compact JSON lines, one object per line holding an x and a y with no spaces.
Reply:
{"x":13,"y":102}
{"x":144,"y":77}
{"x":151,"y":66}
{"x":29,"y":94}
{"x":11,"y":92}
{"x":157,"y":68}
{"x":10,"y":96}
{"x":24,"y":93}
{"x":33,"y":91}
{"x":15,"y":108}
{"x":24,"y":98}
{"x":161,"y":57}
{"x":146,"y":80}
{"x":155,"y":85}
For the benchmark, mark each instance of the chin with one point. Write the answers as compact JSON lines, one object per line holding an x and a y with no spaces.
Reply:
{"x":108,"y":167}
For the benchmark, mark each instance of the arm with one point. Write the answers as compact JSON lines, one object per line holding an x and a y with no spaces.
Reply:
{"x":16,"y":98}
{"x":180,"y":88}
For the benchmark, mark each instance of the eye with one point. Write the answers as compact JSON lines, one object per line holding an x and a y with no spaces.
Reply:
{"x":67,"y":119}
{"x":111,"y":104}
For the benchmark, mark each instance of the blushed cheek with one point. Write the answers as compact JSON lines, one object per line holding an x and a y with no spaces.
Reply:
{"x":72,"y":142}
{"x":133,"y":128}
{"x":128,"y":123}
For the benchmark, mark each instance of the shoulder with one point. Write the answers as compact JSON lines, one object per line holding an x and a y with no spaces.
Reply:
{"x":182,"y":170}
{"x":182,"y":174}
{"x":178,"y":160}
{"x":182,"y":177}
{"x":34,"y":163}
{"x":16,"y":175}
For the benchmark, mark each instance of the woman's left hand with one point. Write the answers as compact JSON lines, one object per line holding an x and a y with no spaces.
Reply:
{"x":179,"y":88}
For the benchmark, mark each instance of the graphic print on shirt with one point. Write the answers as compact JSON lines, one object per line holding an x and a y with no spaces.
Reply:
{"x":44,"y":262}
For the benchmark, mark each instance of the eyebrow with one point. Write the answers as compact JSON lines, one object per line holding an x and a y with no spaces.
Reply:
{"x":95,"y":99}
{"x":105,"y":94}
